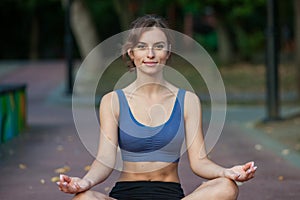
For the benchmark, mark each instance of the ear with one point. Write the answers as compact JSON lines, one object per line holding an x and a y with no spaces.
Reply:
{"x":169,"y":51}
{"x":130,"y":54}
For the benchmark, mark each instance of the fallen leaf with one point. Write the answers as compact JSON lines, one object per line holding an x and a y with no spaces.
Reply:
{"x":42,"y":181}
{"x":285,"y":152}
{"x":62,"y":169}
{"x":54,"y":179}
{"x":269,"y":129}
{"x":280,"y":178}
{"x":59,"y":148}
{"x":70,"y":138}
{"x":22,"y":166}
{"x":258,"y":147}
{"x":87,"y":168}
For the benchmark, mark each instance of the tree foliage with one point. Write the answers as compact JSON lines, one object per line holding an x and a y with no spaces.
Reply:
{"x":243,"y":21}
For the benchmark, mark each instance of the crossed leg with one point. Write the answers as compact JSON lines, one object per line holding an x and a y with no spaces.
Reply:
{"x":216,"y":189}
{"x":91,"y":195}
{"x":220,"y":188}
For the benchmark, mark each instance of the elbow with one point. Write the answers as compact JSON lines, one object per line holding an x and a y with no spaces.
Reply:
{"x":106,"y":161}
{"x":197,"y":164}
{"x":195,"y":167}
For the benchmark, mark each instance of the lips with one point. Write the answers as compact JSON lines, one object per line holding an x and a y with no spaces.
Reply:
{"x":150,"y":63}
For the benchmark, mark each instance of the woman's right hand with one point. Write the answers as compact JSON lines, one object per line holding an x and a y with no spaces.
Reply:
{"x":73,"y":185}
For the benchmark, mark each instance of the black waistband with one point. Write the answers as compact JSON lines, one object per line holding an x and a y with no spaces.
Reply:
{"x":146,"y":190}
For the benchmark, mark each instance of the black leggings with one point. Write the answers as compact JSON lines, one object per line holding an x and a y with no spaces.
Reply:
{"x":146,"y":190}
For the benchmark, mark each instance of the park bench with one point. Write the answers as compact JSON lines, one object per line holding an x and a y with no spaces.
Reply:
{"x":12,"y":111}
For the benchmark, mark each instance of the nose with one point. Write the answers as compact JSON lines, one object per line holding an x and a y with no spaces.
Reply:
{"x":151,"y":53}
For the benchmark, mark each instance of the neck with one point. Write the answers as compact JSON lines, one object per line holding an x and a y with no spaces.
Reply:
{"x":150,"y":84}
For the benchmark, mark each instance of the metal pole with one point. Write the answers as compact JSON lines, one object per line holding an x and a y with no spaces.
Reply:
{"x":272,"y":62}
{"x":68,"y":50}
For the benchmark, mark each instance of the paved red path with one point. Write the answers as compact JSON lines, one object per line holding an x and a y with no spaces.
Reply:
{"x":51,"y":142}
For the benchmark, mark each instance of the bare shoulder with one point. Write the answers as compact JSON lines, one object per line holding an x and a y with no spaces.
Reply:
{"x":108,"y":97}
{"x":110,"y":101}
{"x":191,"y":103}
{"x":191,"y":97}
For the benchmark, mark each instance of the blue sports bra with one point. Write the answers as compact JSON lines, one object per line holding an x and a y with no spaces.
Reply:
{"x":141,"y":143}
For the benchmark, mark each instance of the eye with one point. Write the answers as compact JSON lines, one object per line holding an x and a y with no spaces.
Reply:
{"x":159,"y":47}
{"x":141,"y":47}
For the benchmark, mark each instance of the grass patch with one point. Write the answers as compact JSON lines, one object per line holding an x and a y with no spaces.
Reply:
{"x":242,"y":79}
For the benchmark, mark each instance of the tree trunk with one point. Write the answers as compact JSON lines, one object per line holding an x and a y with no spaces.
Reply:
{"x":297,"y":43}
{"x":171,"y":13}
{"x":188,"y":27}
{"x":224,"y":44}
{"x":125,"y":10}
{"x":83,"y":28}
{"x":188,"y":24}
{"x":34,"y":39}
{"x":87,"y":39}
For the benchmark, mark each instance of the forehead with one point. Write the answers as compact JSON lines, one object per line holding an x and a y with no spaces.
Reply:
{"x":153,"y":35}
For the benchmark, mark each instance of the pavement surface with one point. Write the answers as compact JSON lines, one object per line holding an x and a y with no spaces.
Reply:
{"x":30,"y":163}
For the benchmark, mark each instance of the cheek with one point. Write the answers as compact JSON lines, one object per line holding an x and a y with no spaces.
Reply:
{"x":165,"y":56}
{"x":137,"y":61}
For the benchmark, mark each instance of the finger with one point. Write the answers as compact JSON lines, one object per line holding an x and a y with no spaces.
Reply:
{"x":252,"y":170}
{"x":249,"y":175}
{"x":77,"y":186}
{"x":59,"y":186}
{"x":68,"y":188}
{"x":248,"y":165}
{"x":65,"y":178}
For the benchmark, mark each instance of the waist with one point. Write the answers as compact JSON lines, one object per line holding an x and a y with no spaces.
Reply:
{"x":149,"y":171}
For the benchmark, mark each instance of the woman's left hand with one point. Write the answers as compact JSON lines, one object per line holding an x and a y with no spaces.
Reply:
{"x":241,"y":173}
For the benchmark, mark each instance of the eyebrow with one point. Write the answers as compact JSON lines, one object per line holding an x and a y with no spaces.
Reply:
{"x":154,"y":43}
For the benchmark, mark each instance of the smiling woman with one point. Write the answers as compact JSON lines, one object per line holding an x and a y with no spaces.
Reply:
{"x":150,"y":120}
{"x":134,"y":41}
{"x":151,"y":50}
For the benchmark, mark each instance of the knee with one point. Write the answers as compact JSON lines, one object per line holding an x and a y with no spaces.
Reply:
{"x":228,"y":189}
{"x":79,"y":196}
{"x":82,"y":196}
{"x":90,"y":195}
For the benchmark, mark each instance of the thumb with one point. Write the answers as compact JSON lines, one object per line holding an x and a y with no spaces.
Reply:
{"x":82,"y":184}
{"x":65,"y":178}
{"x":231,"y":174}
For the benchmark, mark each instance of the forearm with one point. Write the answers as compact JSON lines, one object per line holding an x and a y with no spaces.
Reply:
{"x":97,"y":173}
{"x":207,"y":169}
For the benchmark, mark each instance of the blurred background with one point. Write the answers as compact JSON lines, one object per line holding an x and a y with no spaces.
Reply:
{"x":254,"y":43}
{"x":233,"y":32}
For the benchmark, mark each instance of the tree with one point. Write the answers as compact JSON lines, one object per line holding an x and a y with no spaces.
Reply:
{"x":126,"y":10}
{"x":32,"y":7}
{"x":297,"y":42}
{"x":86,"y":36}
{"x":83,"y":27}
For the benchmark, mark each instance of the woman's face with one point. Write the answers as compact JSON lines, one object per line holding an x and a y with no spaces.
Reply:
{"x":151,"y":52}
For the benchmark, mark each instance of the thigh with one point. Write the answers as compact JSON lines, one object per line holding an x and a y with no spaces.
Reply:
{"x":219,"y":188}
{"x":91,"y":195}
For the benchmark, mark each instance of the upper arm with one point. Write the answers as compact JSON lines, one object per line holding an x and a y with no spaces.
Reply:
{"x":193,"y":128}
{"x":108,"y":115}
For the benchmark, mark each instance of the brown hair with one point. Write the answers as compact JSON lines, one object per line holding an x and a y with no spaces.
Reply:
{"x":138,"y":27}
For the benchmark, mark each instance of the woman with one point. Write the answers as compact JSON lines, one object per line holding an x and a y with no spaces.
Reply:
{"x":149,"y":120}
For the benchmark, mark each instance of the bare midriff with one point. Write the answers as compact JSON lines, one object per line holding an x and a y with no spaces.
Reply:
{"x":149,"y":171}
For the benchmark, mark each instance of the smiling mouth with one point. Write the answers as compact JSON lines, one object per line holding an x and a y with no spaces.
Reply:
{"x":150,"y":63}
